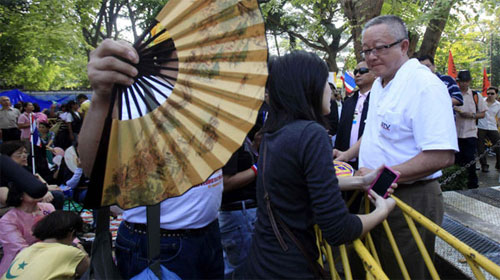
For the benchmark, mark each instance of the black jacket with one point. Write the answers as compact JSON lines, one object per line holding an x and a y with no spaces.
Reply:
{"x":346,"y":118}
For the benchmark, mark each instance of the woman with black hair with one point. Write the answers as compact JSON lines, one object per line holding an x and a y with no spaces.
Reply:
{"x":296,"y":185}
{"x":56,"y":256}
{"x":16,"y":150}
{"x":16,"y":224}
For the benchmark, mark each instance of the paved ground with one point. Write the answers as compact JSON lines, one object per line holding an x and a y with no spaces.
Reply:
{"x":473,"y":216}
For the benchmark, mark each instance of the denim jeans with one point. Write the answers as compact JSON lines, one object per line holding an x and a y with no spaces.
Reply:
{"x":196,"y":256}
{"x":236,"y":229}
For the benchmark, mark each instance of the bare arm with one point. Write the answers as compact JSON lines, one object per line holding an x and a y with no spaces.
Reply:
{"x":104,"y":70}
{"x":238,"y":180}
{"x":353,"y":152}
{"x":455,"y":102}
{"x":424,"y":164}
{"x":382,"y":209}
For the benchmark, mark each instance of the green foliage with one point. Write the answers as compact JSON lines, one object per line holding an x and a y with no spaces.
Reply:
{"x":41,"y":46}
{"x":458,"y":183}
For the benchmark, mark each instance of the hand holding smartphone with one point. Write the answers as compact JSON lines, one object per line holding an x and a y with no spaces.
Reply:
{"x":383,"y":182}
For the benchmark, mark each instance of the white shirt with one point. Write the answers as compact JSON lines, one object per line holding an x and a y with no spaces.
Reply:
{"x":489,"y":122}
{"x":196,"y":208}
{"x":413,"y":113}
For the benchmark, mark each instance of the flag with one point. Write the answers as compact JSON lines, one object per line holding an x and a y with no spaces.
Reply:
{"x":452,"y":70}
{"x":36,"y":138}
{"x":348,"y":81}
{"x":486,"y":82}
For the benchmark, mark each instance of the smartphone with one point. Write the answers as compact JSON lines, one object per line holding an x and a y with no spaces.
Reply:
{"x":383,"y":182}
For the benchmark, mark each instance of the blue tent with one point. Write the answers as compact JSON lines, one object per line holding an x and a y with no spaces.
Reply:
{"x":16,"y":95}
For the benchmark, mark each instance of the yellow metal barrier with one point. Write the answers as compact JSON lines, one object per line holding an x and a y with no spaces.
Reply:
{"x":372,"y":265}
{"x":474,"y":259}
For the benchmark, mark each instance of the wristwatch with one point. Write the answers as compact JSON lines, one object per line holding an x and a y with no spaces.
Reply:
{"x":473,"y":115}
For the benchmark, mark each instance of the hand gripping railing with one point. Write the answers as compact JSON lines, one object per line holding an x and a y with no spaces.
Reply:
{"x":371,"y":262}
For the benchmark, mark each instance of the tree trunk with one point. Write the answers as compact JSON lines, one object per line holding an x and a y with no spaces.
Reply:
{"x":359,"y":12}
{"x":440,"y":13}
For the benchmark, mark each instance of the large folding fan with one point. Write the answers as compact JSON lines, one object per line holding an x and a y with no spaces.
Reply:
{"x":202,"y":74}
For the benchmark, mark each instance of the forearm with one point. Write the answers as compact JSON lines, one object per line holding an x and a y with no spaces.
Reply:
{"x":369,"y":221}
{"x":238,"y":180}
{"x":352,"y":152}
{"x":23,"y":125}
{"x":90,"y":134}
{"x":350,"y":183}
{"x":424,"y":164}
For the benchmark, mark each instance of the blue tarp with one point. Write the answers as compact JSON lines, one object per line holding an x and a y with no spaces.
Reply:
{"x":44,"y":102}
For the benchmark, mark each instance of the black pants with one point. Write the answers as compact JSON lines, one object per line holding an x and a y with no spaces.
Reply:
{"x":9,"y":134}
{"x":466,"y":155}
{"x":494,"y":137}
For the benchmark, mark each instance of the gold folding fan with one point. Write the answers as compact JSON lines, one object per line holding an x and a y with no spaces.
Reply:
{"x":200,"y":85}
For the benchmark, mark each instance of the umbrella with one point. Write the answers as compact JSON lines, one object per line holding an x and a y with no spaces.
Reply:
{"x":200,"y":84}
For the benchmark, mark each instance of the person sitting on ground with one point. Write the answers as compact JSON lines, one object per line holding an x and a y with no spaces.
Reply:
{"x":16,"y":224}
{"x":17,"y":152}
{"x":56,"y":256}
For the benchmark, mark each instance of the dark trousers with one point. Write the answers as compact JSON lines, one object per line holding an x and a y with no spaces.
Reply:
{"x":466,"y":155}
{"x":197,"y":256}
{"x":9,"y":134}
{"x":494,"y":137}
{"x":425,"y":197}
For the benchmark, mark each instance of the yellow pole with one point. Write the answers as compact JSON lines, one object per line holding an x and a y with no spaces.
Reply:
{"x":345,"y":262}
{"x":395,"y":249}
{"x":371,"y":265}
{"x":475,"y":269}
{"x":371,"y":245}
{"x":421,"y":247}
{"x":467,"y":251}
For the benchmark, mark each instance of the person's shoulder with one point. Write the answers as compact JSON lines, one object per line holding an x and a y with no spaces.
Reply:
{"x":46,"y":207}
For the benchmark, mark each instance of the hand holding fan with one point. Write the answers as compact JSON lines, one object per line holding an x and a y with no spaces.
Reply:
{"x":199,"y":86}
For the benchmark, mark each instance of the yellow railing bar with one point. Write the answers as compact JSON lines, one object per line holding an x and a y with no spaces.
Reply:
{"x":345,"y":262}
{"x":467,"y":251}
{"x":421,"y":247}
{"x":371,"y":245}
{"x":371,"y":265}
{"x":395,"y":249}
{"x":475,"y":269}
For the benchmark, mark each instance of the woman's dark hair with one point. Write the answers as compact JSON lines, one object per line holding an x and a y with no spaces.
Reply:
{"x":296,"y":83}
{"x":58,"y":225}
{"x":47,"y":125}
{"x":14,"y":196}
{"x":36,"y":107}
{"x":9,"y":147}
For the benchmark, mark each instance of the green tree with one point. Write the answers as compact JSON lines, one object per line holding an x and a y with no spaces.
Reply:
{"x":41,"y":46}
{"x":318,"y":24}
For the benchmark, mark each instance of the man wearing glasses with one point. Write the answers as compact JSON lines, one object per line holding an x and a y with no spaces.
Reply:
{"x":488,"y":128}
{"x":352,"y":119}
{"x":410,"y":128}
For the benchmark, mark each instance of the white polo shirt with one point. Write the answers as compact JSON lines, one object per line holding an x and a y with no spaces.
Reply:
{"x":196,"y":208}
{"x":413,"y":113}
{"x":489,"y":121}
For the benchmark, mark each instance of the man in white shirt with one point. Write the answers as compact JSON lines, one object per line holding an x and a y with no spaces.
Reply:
{"x":190,"y":236}
{"x":488,"y":128}
{"x":474,"y":108}
{"x":8,"y":121}
{"x":410,"y":128}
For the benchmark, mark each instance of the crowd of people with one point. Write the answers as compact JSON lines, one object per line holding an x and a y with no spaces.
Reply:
{"x":255,"y":218}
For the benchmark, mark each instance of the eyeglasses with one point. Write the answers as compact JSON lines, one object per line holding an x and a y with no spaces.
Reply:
{"x":361,"y":71}
{"x":379,"y":49}
{"x":491,"y":93}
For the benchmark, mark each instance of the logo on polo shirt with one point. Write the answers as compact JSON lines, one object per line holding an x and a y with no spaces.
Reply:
{"x":385,"y":126}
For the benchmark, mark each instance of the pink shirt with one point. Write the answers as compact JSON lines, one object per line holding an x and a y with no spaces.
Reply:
{"x":16,"y":234}
{"x":358,"y":110}
{"x":25,"y":132}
